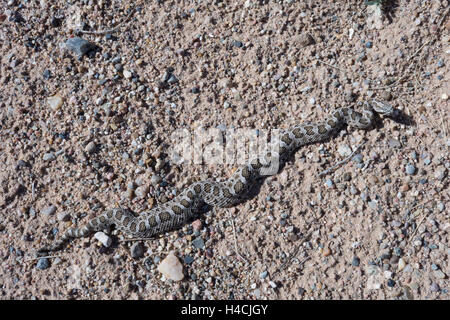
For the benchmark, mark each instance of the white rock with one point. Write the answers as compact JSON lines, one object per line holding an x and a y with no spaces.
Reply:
{"x":55,"y":102}
{"x":127,"y":74}
{"x":401,"y":264}
{"x":49,"y":210}
{"x":444,"y":96}
{"x":103,"y":238}
{"x":49,"y":156}
{"x":351,"y":31}
{"x":141,"y":191}
{"x":373,"y":283}
{"x":90,"y":148}
{"x":63,"y":216}
{"x":344,"y":150}
{"x":171,"y":268}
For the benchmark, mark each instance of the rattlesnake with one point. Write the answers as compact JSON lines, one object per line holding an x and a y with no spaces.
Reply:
{"x":177,"y":212}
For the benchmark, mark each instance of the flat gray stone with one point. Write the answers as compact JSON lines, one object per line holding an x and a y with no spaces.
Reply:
{"x":79,"y":46}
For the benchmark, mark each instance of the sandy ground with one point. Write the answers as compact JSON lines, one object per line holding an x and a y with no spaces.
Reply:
{"x":374,"y":228}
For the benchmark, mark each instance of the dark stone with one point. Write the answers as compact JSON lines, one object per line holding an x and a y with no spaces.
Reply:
{"x":79,"y":46}
{"x":43,"y":264}
{"x":238,"y":44}
{"x":188,"y":259}
{"x":198,"y":243}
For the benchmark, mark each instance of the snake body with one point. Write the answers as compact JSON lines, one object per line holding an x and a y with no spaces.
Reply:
{"x":177,"y":212}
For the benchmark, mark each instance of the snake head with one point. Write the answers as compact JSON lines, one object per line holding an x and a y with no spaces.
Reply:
{"x":382,"y":107}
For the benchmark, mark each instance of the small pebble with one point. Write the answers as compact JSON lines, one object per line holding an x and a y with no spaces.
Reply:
{"x":387,"y":96}
{"x":197,"y":225}
{"x":195,"y":90}
{"x":401,"y":264}
{"x":63,"y":216}
{"x":358,"y":158}
{"x":347,"y":176}
{"x":344,"y":150}
{"x":237,"y":44}
{"x":142,"y":191}
{"x":303,"y":40}
{"x":394,"y":143}
{"x":404,"y":187}
{"x":79,"y":46}
{"x":439,"y":274}
{"x":434,"y":287}
{"x":91,"y":147}
{"x":440,"y":173}
{"x":410,"y":169}
{"x":43,"y":264}
{"x":127,"y":74}
{"x":103,"y":238}
{"x":155,"y":180}
{"x":137,"y":250}
{"x":198,"y":243}
{"x":398,"y":251}
{"x":118,"y":67}
{"x":55,"y":102}
{"x":355,"y":262}
{"x":46,"y":74}
{"x":326,"y":252}
{"x":188,"y":259}
{"x":49,"y":156}
{"x":49,"y":210}
{"x":171,"y":268}
{"x":263,"y":275}
{"x":172,"y":79}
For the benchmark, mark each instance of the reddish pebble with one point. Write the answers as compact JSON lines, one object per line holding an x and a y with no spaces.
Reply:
{"x":197,"y":225}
